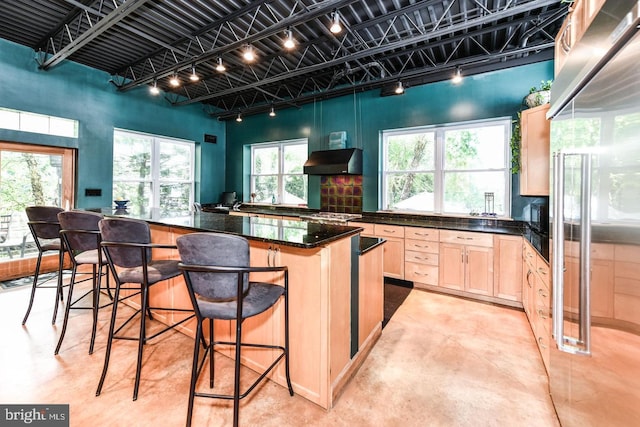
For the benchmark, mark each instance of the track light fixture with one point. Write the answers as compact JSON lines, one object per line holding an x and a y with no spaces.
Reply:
{"x":248,"y":54}
{"x":335,"y":23}
{"x":193,"y":77}
{"x":154,"y":89}
{"x":220,"y":67}
{"x":239,"y":118}
{"x":289,"y":42}
{"x":272,"y":113}
{"x":457,"y":76}
{"x":399,"y":88}
{"x":174,"y":80}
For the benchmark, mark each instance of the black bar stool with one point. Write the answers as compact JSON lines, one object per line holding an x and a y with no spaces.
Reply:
{"x":127,"y":248}
{"x":45,"y":228}
{"x":216,"y":270}
{"x":81,"y":239}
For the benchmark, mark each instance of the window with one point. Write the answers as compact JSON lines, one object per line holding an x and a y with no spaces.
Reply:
{"x":447,"y":169}
{"x":153,"y":171}
{"x":276,"y":172}
{"x":37,"y":123}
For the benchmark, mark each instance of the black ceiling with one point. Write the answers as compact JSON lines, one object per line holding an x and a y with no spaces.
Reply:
{"x":140,"y":42}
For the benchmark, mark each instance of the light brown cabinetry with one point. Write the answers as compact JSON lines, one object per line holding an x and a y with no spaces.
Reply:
{"x":534,"y":152}
{"x":466,"y":261}
{"x":368,"y":228}
{"x":538,"y":299}
{"x":507,"y":252}
{"x":421,"y":255}
{"x":393,"y":249}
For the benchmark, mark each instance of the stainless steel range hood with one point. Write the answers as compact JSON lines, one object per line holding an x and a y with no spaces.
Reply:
{"x":346,"y":161}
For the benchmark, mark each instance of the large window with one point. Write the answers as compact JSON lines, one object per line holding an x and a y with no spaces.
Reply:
{"x":447,"y":169}
{"x":276,"y":172}
{"x":152,"y":171}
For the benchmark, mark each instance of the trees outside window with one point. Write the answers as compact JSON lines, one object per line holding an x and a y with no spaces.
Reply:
{"x":276,"y":172}
{"x":153,"y":171}
{"x":447,"y":169}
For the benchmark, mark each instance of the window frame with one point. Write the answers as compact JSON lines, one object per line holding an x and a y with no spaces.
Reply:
{"x":439,"y":170}
{"x":155,"y":179}
{"x":280,"y":145}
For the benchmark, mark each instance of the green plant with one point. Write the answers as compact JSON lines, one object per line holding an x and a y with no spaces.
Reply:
{"x":515,"y":146}
{"x":544,"y":85}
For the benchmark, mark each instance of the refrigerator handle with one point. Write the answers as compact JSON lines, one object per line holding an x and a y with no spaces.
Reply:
{"x":585,"y":257}
{"x":582,"y":344}
{"x":558,"y":249}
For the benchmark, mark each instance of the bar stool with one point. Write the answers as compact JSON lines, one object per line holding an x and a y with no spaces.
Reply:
{"x":81,"y":239}
{"x":44,"y":226}
{"x":216,"y":270}
{"x":127,"y":248}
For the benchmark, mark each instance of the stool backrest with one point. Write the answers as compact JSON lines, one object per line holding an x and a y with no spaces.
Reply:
{"x":215,"y":249}
{"x":73,"y":221}
{"x":43,"y":221}
{"x":126,"y":230}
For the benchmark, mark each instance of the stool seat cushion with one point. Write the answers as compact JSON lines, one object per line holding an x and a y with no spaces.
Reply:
{"x":88,"y":257}
{"x":260,"y":297}
{"x":157,"y":271}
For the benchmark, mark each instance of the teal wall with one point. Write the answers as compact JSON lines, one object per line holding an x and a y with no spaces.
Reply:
{"x":365,"y":115}
{"x":77,"y":92}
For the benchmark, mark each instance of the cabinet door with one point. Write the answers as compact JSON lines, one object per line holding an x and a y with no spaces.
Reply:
{"x":452,"y":266}
{"x":508,"y":267}
{"x":479,"y":270}
{"x":534,"y":153}
{"x":394,"y":258}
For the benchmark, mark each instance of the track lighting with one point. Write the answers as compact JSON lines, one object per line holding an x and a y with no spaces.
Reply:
{"x":272,"y":113}
{"x":220,"y":67}
{"x":399,"y":88}
{"x":174,"y":81}
{"x":335,"y":23}
{"x":239,"y":118}
{"x":289,"y":43}
{"x":457,"y":76}
{"x":248,"y":53}
{"x":154,"y":89}
{"x":193,"y":77}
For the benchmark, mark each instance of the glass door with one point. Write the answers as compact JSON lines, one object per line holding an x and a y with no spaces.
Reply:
{"x":30,"y":175}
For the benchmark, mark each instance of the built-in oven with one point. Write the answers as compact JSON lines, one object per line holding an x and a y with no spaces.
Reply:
{"x":539,"y":218}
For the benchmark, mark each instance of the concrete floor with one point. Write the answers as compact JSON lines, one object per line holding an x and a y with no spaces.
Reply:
{"x":441,"y":361}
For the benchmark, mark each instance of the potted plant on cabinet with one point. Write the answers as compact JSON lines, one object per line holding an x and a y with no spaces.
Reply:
{"x":538,"y":95}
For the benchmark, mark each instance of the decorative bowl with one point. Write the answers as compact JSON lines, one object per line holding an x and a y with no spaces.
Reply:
{"x":121,"y":204}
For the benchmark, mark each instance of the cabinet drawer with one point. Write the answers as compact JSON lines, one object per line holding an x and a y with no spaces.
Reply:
{"x":421,"y":273}
{"x":542,"y":268}
{"x":389,"y":230}
{"x":467,"y":238}
{"x":430,"y":234}
{"x":421,"y":246}
{"x":420,"y":257}
{"x":368,"y":227}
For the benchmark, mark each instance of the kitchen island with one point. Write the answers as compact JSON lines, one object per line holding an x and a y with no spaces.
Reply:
{"x":335,"y":294}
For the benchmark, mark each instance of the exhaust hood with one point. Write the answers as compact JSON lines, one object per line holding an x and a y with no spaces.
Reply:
{"x":346,"y":161}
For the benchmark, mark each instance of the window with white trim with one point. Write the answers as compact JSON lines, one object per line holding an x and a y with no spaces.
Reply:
{"x":448,"y":169}
{"x":276,"y":172}
{"x":37,"y":123}
{"x":153,"y":171}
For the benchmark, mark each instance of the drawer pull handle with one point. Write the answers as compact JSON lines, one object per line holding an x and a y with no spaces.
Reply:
{"x":421,"y":274}
{"x":542,"y":271}
{"x":540,"y":342}
{"x":542,"y":293}
{"x":541,"y":314}
{"x":389,"y":231}
{"x":464,"y":238}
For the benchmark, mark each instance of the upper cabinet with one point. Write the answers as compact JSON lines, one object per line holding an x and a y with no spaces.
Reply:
{"x":534,"y":152}
{"x":581,"y":13}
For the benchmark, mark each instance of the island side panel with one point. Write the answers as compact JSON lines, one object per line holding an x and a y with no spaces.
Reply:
{"x":371,"y":288}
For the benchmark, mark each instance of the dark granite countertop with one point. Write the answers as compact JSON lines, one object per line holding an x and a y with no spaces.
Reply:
{"x":300,"y":234}
{"x":368,"y":243}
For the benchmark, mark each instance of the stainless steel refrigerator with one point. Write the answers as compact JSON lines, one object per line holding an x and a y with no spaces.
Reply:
{"x":594,"y":368}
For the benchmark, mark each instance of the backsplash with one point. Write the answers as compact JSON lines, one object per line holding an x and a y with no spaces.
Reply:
{"x":341,"y":193}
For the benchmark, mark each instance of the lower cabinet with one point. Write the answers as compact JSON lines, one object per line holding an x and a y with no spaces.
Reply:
{"x":393,"y":249}
{"x":537,"y":299}
{"x":421,"y":255}
{"x":507,"y":251}
{"x":466,"y":261}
